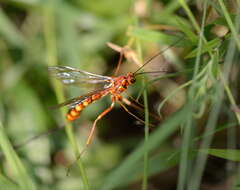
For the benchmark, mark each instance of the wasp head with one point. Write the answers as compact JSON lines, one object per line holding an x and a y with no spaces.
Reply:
{"x":131,"y":78}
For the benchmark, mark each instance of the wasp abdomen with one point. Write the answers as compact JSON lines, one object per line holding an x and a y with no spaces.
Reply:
{"x":74,"y":113}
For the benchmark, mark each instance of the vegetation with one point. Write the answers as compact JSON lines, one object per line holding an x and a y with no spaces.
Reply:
{"x":189,"y":139}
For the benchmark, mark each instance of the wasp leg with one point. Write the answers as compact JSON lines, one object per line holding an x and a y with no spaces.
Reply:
{"x":133,"y":99}
{"x":119,"y":63}
{"x":136,"y":117}
{"x":121,"y":51}
{"x":89,"y":139}
{"x":131,"y":104}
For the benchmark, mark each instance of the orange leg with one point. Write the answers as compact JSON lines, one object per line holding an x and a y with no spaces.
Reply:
{"x":119,"y":63}
{"x":135,"y":105}
{"x":133,"y":99}
{"x":121,"y":51}
{"x":129,"y":103}
{"x":136,"y":117}
{"x":89,"y":139}
{"x":90,"y":136}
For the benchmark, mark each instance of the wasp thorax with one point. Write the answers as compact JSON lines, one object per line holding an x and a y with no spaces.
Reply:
{"x":124,"y":83}
{"x":131,"y":78}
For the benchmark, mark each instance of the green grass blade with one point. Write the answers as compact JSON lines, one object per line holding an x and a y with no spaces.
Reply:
{"x":207,"y":47}
{"x":146,"y":130}
{"x":118,"y":176}
{"x":185,"y":166}
{"x":213,"y":117}
{"x":7,"y":184}
{"x":9,"y":32}
{"x":52,"y":60}
{"x":228,"y":154}
{"x":158,"y":163}
{"x":230,"y":23}
{"x":190,"y":15}
{"x":157,"y":37}
{"x":22,"y":177}
{"x":187,"y":30}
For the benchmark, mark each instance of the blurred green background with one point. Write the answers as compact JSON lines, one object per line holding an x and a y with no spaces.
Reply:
{"x":195,"y":143}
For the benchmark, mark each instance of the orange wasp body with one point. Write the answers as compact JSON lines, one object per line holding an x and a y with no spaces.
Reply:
{"x":113,"y":86}
{"x":119,"y":85}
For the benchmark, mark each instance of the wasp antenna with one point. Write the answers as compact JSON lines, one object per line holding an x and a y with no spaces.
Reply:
{"x":152,"y":72}
{"x":159,"y":53}
{"x":75,"y":161}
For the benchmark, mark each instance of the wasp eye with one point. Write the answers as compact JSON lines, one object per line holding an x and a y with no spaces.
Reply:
{"x":133,"y":80}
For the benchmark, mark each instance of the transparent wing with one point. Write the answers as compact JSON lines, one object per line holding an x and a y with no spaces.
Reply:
{"x":68,"y":76}
{"x":77,"y":100}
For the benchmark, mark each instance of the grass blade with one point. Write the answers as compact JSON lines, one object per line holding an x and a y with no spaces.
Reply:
{"x":228,"y":154}
{"x":9,"y":32}
{"x":22,"y":177}
{"x":119,"y":175}
{"x":52,"y":60}
{"x":230,"y":23}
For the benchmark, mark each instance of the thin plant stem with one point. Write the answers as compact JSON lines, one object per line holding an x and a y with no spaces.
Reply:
{"x":185,"y":167}
{"x":24,"y":181}
{"x":190,"y":15}
{"x":230,"y":23}
{"x":230,"y":97}
{"x":50,"y":37}
{"x":146,"y":132}
{"x":211,"y":124}
{"x":146,"y":112}
{"x":146,"y":127}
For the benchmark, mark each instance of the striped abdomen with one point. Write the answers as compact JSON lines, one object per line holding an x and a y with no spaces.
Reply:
{"x":74,"y":113}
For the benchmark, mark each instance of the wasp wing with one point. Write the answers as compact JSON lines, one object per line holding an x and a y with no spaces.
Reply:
{"x":77,"y":100}
{"x":69,"y":75}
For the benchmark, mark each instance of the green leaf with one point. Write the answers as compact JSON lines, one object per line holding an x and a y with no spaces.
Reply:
{"x":206,"y":47}
{"x":9,"y":31}
{"x":20,"y":172}
{"x":6,"y":183}
{"x":157,"y":164}
{"x":222,"y":20}
{"x":157,"y":37}
{"x":228,"y":154}
{"x":186,"y":29}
